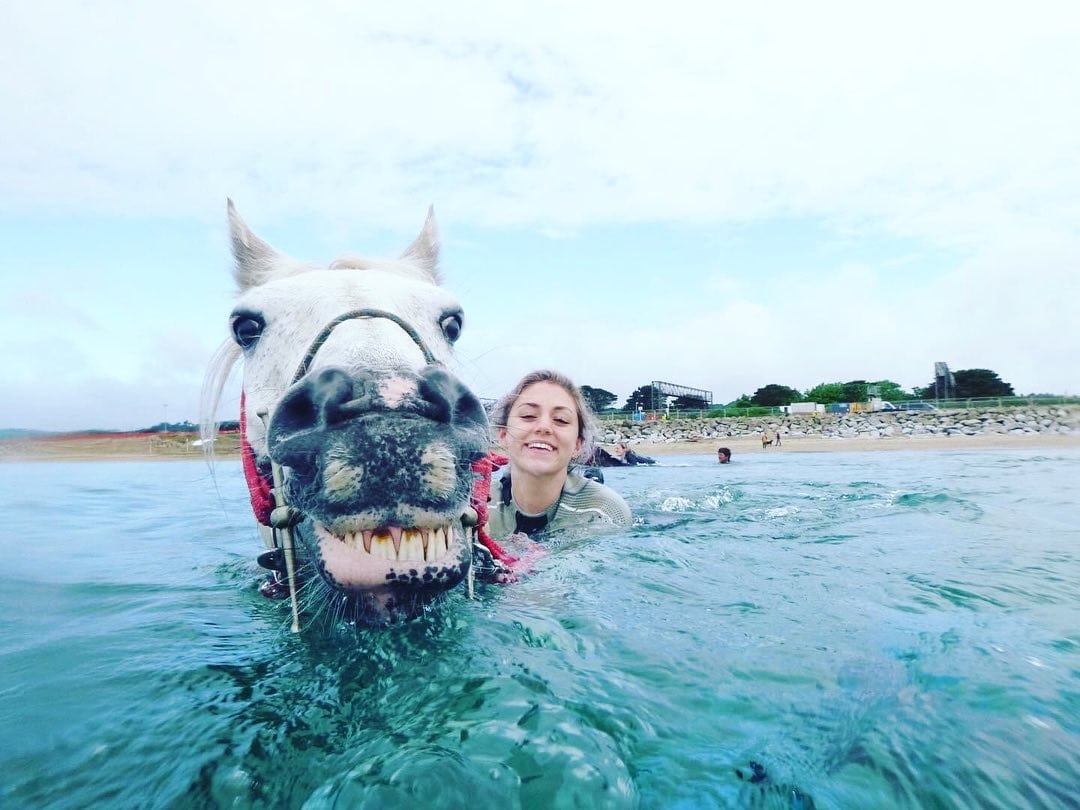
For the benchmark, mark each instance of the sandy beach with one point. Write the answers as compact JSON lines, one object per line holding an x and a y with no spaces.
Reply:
{"x":818,"y":444}
{"x":173,"y":447}
{"x":116,"y":447}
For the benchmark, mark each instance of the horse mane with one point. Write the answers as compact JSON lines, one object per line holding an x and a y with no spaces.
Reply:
{"x":217,"y":375}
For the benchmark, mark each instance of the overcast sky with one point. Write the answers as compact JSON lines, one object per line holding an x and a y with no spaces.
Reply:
{"x":719,"y":197}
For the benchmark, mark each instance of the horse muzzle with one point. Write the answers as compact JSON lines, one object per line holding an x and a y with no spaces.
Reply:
{"x":377,"y":469}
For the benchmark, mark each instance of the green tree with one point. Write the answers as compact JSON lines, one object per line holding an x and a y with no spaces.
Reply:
{"x":826,"y":393}
{"x":598,"y":398}
{"x":973,"y":382}
{"x":981,"y":382}
{"x":890,"y":391}
{"x":774,"y":394}
{"x":852,"y":391}
{"x":689,"y":404}
{"x":855,"y":391}
{"x":646,"y":396}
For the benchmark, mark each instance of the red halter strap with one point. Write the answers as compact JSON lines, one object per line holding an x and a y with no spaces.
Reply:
{"x":481,"y":491}
{"x":259,"y":485}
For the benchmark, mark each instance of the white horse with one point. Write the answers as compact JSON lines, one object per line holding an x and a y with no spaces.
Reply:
{"x":347,"y":396}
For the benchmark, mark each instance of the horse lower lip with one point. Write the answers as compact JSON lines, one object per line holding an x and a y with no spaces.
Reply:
{"x":349,"y":565}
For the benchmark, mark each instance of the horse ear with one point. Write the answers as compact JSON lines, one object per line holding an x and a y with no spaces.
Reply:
{"x":424,"y":251}
{"x":255,"y":259}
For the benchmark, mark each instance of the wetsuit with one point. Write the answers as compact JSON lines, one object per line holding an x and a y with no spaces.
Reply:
{"x":582,"y":502}
{"x":633,"y":458}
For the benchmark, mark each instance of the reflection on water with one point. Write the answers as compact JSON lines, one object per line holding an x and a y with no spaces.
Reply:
{"x":797,"y":631}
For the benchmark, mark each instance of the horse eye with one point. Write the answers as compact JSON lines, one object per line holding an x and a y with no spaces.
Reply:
{"x":451,"y":326}
{"x":247,"y":329}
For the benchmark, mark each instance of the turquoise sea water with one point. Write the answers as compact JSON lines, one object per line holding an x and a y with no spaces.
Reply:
{"x":848,"y":630}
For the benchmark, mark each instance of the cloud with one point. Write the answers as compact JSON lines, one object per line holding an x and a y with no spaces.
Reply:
{"x":1004,"y":309}
{"x":932,"y":148}
{"x":562,"y":117}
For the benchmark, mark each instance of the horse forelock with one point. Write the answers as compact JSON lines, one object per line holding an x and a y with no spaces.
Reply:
{"x":400,"y":267}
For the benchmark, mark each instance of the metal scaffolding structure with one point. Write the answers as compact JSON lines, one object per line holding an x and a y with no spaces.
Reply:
{"x":944,"y":383}
{"x":661,"y":390}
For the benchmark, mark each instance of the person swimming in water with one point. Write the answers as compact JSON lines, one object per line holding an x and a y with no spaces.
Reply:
{"x":544,"y":424}
{"x":628,"y":456}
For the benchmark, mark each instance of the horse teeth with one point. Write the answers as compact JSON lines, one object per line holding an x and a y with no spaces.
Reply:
{"x":383,"y":546}
{"x":412,"y":545}
{"x":396,"y":543}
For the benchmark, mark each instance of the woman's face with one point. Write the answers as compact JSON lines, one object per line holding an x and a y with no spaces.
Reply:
{"x":541,"y":433}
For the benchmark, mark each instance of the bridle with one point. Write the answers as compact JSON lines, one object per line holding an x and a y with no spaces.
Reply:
{"x":271,"y":508}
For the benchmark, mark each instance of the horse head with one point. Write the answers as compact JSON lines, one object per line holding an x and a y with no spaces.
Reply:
{"x":347,"y":388}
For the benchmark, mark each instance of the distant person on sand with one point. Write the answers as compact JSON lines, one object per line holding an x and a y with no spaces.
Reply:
{"x":778,"y":438}
{"x":723,"y":455}
{"x":765,"y":441}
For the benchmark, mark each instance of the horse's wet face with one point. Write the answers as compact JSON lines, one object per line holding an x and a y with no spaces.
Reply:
{"x":380,"y":465}
{"x":377,"y":438}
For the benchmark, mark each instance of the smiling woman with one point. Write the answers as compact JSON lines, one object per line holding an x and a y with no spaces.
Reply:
{"x":544,"y":424}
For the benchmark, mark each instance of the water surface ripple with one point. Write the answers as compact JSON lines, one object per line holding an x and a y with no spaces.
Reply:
{"x":827,"y":630}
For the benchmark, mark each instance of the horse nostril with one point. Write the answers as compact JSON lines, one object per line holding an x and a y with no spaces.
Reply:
{"x":311,"y":404}
{"x":436,"y":389}
{"x":448,"y":400}
{"x":314,"y":401}
{"x":469,"y":408}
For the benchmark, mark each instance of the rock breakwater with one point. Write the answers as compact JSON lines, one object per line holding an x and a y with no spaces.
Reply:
{"x":964,"y":421}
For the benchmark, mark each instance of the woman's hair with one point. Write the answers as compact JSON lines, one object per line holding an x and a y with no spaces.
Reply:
{"x":586,"y":420}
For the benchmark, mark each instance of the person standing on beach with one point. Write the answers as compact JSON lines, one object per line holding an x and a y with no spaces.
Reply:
{"x":778,"y":438}
{"x":544,"y":424}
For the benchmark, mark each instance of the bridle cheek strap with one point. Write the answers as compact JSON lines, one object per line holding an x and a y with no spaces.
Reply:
{"x":259,"y":485}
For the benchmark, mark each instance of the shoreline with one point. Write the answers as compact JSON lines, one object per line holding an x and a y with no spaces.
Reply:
{"x":821,"y":444}
{"x":180,"y":448}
